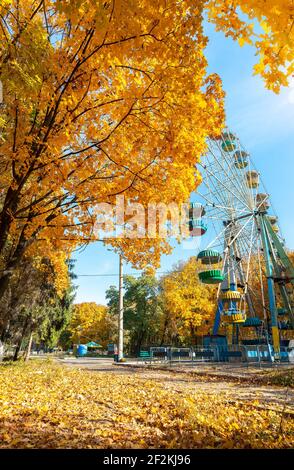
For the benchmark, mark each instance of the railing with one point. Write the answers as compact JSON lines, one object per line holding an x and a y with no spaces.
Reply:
{"x":246,"y":354}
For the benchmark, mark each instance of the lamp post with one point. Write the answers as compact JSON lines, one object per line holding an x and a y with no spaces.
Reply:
{"x":120,"y":312}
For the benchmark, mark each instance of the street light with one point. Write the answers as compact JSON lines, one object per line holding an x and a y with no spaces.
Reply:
{"x":120,"y":312}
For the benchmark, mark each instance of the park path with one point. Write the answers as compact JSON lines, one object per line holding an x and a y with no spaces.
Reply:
{"x":182,"y":381}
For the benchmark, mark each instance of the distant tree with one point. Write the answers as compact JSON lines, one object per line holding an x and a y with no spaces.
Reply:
{"x":91,"y":322}
{"x":142,"y":311}
{"x":37,"y":303}
{"x":59,"y":314}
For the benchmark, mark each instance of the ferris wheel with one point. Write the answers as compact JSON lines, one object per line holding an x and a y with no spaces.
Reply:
{"x":246,"y":256}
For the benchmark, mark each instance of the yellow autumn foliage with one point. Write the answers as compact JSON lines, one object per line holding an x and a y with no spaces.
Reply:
{"x":100,"y":99}
{"x":108,"y":98}
{"x":190,"y":304}
{"x":91,"y":322}
{"x":268,"y":26}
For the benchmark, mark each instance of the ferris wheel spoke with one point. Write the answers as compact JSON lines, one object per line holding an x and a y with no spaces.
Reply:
{"x":226,"y":187}
{"x":240,"y":230}
{"x":213,"y":243}
{"x":214,"y":182}
{"x":214,"y":192}
{"x":229,"y":172}
{"x":251,"y":241}
{"x":237,"y":174}
{"x":213,"y":205}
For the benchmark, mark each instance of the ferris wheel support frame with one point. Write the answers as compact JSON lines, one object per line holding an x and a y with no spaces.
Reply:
{"x":270,"y":285}
{"x":217,"y":318}
{"x":270,"y":243}
{"x":287,"y":268}
{"x":230,"y":283}
{"x":236,"y":200}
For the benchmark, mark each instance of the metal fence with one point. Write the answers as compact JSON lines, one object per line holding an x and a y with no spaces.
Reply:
{"x":249,"y":354}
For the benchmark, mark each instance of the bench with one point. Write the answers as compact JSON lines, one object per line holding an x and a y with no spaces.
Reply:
{"x":144,"y":355}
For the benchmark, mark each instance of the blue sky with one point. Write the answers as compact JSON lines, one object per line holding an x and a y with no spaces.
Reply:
{"x":264,"y":123}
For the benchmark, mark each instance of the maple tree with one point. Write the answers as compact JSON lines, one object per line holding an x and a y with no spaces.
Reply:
{"x":91,"y":92}
{"x":112,"y":97}
{"x":266,"y":25}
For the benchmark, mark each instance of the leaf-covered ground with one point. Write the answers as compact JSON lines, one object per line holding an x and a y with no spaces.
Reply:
{"x":45,"y":405}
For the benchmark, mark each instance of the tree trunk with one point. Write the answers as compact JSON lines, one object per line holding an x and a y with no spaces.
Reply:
{"x":17,"y":349}
{"x":193,"y":334}
{"x":4,"y":283}
{"x":5,"y":331}
{"x":165,"y":325}
{"x":13,"y":262}
{"x":139,"y":342}
{"x":28,"y":351}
